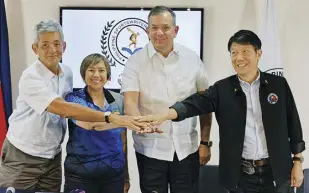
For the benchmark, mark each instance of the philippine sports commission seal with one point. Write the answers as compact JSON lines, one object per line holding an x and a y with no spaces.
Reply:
{"x":275,"y":71}
{"x":122,"y":39}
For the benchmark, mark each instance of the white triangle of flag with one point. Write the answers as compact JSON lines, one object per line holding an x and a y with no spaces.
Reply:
{"x":271,"y":60}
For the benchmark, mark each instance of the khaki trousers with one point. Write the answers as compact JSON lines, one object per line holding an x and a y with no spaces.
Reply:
{"x":26,"y":172}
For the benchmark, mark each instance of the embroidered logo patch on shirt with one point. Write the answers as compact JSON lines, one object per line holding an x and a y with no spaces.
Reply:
{"x":272,"y":98}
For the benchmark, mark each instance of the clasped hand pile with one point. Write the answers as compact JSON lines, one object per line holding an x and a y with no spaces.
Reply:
{"x":140,"y":124}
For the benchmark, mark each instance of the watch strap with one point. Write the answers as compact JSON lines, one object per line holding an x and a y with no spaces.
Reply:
{"x":206,"y":143}
{"x":300,"y":159}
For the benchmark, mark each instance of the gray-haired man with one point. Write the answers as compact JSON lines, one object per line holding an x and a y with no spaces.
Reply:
{"x":31,"y":154}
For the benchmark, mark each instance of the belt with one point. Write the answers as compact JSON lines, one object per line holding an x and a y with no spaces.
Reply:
{"x":258,"y":163}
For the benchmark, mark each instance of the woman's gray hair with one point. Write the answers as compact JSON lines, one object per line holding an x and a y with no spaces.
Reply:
{"x":46,"y":26}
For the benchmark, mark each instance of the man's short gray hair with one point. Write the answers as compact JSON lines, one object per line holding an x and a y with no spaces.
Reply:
{"x":158,"y":10}
{"x":46,"y":26}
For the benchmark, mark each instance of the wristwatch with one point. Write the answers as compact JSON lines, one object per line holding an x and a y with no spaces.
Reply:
{"x":106,"y":117}
{"x":300,"y":159}
{"x":207,"y":143}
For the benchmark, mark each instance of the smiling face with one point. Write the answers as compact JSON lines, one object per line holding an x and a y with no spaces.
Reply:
{"x":96,"y":76}
{"x":162,"y":31}
{"x":245,"y":59}
{"x":49,"y":48}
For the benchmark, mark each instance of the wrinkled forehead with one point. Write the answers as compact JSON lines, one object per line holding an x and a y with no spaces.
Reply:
{"x":49,"y":37}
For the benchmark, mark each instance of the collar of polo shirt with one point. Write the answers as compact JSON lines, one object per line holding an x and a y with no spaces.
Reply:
{"x":152,"y":51}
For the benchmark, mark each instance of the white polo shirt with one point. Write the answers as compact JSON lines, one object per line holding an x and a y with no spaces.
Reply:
{"x":161,"y":82}
{"x":32,"y":129}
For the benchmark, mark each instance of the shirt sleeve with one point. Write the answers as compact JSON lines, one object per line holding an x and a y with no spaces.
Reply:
{"x":197,"y":104}
{"x":70,"y":79}
{"x":33,"y":89}
{"x":120,"y":103}
{"x":297,"y":143}
{"x":202,"y":78}
{"x":130,"y":77}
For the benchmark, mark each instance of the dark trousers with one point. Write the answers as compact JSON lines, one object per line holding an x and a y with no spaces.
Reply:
{"x":261,"y":181}
{"x":155,"y":175}
{"x":77,"y":184}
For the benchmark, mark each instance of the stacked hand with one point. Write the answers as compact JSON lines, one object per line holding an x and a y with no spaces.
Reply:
{"x":153,"y":120}
{"x":140,"y":124}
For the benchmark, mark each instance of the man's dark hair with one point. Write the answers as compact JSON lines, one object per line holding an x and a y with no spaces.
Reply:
{"x":157,"y":10}
{"x":245,"y":37}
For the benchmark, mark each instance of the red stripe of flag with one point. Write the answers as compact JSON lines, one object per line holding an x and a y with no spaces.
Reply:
{"x":2,"y":120}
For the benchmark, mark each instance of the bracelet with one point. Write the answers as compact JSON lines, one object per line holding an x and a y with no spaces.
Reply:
{"x":127,"y":180}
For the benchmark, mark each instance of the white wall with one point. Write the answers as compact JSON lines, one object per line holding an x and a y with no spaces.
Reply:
{"x":222,"y":19}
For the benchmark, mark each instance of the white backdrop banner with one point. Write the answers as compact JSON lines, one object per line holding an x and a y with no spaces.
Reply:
{"x":118,"y":34}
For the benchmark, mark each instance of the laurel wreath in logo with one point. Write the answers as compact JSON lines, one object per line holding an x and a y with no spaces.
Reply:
{"x":104,"y":41}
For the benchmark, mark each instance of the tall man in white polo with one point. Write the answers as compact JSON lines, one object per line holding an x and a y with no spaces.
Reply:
{"x":155,"y":78}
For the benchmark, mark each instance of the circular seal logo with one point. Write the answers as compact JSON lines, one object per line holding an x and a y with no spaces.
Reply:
{"x":272,"y":98}
{"x":275,"y":71}
{"x":121,"y":40}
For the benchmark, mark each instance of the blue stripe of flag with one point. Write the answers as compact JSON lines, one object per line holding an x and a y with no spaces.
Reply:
{"x":5,"y":72}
